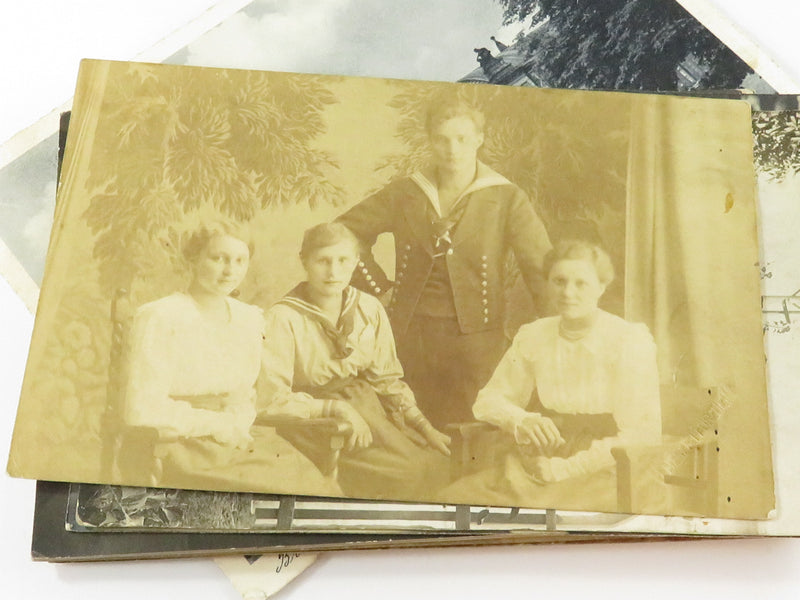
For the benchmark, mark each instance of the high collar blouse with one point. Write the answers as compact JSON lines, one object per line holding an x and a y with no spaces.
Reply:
{"x":612,"y":370}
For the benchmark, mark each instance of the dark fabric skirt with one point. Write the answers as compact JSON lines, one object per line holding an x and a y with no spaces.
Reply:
{"x":510,"y":483}
{"x":393,"y":467}
{"x":269,"y":465}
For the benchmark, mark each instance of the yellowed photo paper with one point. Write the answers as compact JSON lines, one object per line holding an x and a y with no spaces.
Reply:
{"x":401,"y":290}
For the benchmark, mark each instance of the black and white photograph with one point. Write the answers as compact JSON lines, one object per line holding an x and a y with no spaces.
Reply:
{"x":110,"y":508}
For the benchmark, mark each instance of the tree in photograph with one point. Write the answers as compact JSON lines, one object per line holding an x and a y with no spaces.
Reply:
{"x":622,"y":44}
{"x":173,"y":141}
{"x":169,"y":145}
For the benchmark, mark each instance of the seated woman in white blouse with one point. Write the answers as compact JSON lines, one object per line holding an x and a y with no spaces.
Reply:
{"x":330,"y":351}
{"x":194,"y":360}
{"x":569,"y":389}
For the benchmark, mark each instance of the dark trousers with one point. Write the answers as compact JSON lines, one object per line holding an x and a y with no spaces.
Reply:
{"x":446,"y":368}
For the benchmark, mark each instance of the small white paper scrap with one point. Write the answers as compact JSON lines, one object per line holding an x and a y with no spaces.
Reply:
{"x":258,"y":577}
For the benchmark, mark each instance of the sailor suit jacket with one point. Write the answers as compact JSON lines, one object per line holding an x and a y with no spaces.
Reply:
{"x":490,"y":219}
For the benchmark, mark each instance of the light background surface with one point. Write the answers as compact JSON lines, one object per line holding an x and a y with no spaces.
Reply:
{"x":41,"y":42}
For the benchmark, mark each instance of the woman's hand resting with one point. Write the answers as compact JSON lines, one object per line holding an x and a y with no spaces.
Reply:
{"x":436,"y":439}
{"x":413,"y":418}
{"x":539,"y":432}
{"x":361,"y":436}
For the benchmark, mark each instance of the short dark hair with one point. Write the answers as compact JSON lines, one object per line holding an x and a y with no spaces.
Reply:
{"x":581,"y":250}
{"x":324,"y":235}
{"x":199,"y":239}
{"x":445,"y":107}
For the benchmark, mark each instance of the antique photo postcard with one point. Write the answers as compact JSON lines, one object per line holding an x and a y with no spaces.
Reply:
{"x":775,"y":123}
{"x":494,"y":310}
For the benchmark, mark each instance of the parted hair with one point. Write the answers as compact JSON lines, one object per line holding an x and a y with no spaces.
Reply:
{"x":449,"y":106}
{"x":324,"y":235}
{"x":199,"y":239}
{"x":581,"y":250}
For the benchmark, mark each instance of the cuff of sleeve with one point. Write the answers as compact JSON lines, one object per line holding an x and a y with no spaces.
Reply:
{"x":295,"y":405}
{"x":564,"y":468}
{"x":331,"y":408}
{"x":414,"y":418}
{"x":319,"y":408}
{"x":589,"y":461}
{"x":506,"y":417}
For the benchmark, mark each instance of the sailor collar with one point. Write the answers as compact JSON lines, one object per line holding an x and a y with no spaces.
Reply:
{"x":485,"y":177}
{"x":338,"y":333}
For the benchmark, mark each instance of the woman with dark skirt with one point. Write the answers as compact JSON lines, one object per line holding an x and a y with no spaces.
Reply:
{"x":570,"y":388}
{"x":330,"y":352}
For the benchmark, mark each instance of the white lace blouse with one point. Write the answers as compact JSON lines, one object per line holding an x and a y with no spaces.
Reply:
{"x":611,"y":370}
{"x":188,"y":375}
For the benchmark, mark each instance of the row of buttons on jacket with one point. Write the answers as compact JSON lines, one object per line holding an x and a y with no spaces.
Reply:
{"x":401,"y":271}
{"x":484,"y":285}
{"x":371,"y":282}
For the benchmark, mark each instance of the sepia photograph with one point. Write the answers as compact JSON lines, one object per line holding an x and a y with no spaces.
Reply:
{"x":102,"y":508}
{"x":386,"y":289}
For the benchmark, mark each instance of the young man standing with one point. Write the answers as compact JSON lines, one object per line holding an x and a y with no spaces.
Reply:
{"x":454,"y":223}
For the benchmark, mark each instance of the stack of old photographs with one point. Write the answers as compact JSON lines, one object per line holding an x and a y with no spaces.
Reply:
{"x":311,"y":312}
